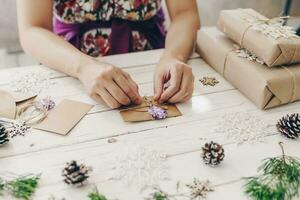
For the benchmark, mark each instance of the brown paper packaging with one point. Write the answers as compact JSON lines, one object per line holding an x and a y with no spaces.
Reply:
{"x":11,"y":102}
{"x":266,"y":87}
{"x":272,"y":51}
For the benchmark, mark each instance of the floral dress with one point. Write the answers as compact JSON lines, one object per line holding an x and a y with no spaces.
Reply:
{"x":105,"y":27}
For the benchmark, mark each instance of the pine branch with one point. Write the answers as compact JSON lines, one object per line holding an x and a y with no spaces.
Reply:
{"x":95,"y":195}
{"x":22,"y":187}
{"x":278,"y":179}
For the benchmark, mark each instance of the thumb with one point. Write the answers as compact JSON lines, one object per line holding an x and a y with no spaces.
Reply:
{"x":158,"y":86}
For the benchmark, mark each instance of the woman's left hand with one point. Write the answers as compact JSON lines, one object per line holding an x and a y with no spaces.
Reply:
{"x":180,"y":77}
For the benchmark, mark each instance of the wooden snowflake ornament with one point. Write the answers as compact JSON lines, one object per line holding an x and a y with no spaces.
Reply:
{"x":211,"y":81}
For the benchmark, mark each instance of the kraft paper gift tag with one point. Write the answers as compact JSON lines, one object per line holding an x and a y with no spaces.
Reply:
{"x":11,"y":102}
{"x":140,"y":113}
{"x":64,"y":117}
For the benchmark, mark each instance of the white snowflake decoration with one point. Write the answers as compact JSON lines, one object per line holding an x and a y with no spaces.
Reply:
{"x":33,"y":81}
{"x":244,"y":127}
{"x":272,"y":28}
{"x":200,"y":189}
{"x":244,"y":53}
{"x":141,"y":166}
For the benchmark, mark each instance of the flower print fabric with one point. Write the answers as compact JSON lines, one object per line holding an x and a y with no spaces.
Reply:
{"x":97,"y":41}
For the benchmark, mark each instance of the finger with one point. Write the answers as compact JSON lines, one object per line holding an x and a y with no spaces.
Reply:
{"x":158,"y":86}
{"x":108,"y":99}
{"x":175,"y":82}
{"x":127,"y":88}
{"x":136,"y":88}
{"x":186,"y":90}
{"x":97,"y":98}
{"x":117,"y":93}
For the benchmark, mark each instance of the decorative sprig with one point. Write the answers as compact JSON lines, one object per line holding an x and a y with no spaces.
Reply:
{"x":22,"y":187}
{"x":197,"y":190}
{"x":158,"y":194}
{"x":95,"y":195}
{"x":278,"y":179}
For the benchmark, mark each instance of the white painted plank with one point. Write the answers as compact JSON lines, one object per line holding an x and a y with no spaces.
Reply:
{"x":240,"y":161}
{"x":123,"y":61}
{"x":26,"y":60}
{"x":181,"y":137}
{"x":199,"y":116}
{"x":137,"y":58}
{"x":67,"y":87}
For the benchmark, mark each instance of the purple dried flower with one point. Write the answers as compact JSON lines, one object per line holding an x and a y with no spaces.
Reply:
{"x":46,"y":104}
{"x":157,"y":112}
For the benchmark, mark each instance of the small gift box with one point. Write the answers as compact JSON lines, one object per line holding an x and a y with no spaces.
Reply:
{"x":267,"y":38}
{"x":266,"y":87}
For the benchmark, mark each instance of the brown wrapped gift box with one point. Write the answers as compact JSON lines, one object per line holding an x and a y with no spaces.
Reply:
{"x":266,"y":87}
{"x":272,"y":51}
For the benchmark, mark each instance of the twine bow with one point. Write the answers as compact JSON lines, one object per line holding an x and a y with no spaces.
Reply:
{"x":156,"y":110}
{"x":39,"y":111}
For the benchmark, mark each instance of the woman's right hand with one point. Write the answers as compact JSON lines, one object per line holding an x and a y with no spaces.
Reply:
{"x":105,"y":82}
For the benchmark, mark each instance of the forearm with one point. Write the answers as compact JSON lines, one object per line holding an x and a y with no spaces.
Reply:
{"x":181,"y":36}
{"x":53,"y":51}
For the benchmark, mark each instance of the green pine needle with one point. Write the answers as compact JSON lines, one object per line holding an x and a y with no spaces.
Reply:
{"x":95,"y":195}
{"x":2,"y":184}
{"x":160,"y":196}
{"x":22,"y":187}
{"x":278,"y":179}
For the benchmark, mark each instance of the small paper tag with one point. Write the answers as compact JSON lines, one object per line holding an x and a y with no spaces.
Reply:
{"x":64,"y":117}
{"x":140,"y":113}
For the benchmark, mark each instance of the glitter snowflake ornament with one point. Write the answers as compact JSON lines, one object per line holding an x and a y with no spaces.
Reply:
{"x":289,"y":126}
{"x":199,"y":189}
{"x":140,"y":166}
{"x":75,"y":174}
{"x":244,"y":127}
{"x":157,"y":113}
{"x":212,"y":153}
{"x":33,"y":81}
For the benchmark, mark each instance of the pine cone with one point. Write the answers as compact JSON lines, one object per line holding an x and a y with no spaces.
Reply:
{"x":213,"y":153}
{"x":4,"y":137}
{"x":75,"y":174}
{"x":289,"y":126}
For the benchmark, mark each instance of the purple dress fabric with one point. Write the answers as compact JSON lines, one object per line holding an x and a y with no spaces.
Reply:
{"x":120,"y":38}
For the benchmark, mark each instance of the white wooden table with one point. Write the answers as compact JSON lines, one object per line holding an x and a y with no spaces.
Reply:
{"x":180,"y":138}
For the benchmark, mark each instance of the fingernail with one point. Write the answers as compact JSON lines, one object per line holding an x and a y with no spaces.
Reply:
{"x":160,"y":101}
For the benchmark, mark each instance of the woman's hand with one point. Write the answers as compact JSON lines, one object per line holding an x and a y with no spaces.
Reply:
{"x":110,"y":84}
{"x":179,"y":77}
